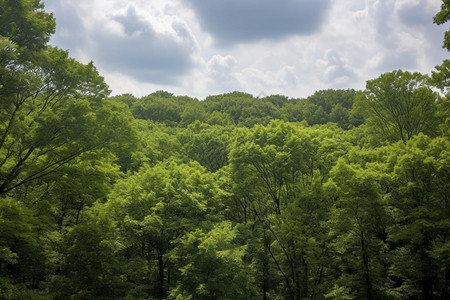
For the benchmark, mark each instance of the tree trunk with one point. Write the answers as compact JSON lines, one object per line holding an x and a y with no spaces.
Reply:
{"x":265,"y":278}
{"x":161,"y":274}
{"x":365,"y":257}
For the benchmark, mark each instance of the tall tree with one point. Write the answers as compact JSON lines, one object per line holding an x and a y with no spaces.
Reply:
{"x":358,"y":222}
{"x":277,"y":172}
{"x":398,"y":105}
{"x":418,"y":195}
{"x":154,"y":208}
{"x":50,"y":103}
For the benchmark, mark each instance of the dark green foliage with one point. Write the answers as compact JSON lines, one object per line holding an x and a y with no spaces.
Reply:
{"x":209,"y":145}
{"x":324,"y":107}
{"x":25,"y":23}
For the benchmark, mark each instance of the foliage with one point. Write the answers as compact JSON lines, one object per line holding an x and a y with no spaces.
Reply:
{"x":341,"y":195}
{"x":442,"y":17}
{"x":398,"y":105}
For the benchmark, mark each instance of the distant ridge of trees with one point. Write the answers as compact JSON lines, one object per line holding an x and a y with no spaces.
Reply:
{"x":243,"y":109}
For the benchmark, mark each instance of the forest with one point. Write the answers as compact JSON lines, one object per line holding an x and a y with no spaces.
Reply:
{"x":340,"y":195}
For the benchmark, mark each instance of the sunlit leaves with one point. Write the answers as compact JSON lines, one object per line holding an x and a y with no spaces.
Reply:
{"x":213,"y":265}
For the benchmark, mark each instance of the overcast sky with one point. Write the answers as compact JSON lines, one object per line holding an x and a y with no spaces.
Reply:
{"x":289,"y":47}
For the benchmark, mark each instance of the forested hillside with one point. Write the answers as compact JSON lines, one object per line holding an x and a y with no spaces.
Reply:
{"x":341,"y":195}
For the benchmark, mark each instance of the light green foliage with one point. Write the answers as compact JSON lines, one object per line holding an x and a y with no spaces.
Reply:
{"x":155,"y":207}
{"x":323,"y":107}
{"x":165,"y":187}
{"x":339,"y":292}
{"x":36,"y":147}
{"x":274,"y":158}
{"x":392,"y":210}
{"x":244,"y":109}
{"x":165,"y":108}
{"x":79,"y":185}
{"x":212,"y":265}
{"x":284,"y":159}
{"x":155,"y":143}
{"x":193,"y":112}
{"x":50,"y":102}
{"x":277,"y":173}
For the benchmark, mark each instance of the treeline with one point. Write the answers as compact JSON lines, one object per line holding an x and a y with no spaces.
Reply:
{"x":244,"y":110}
{"x":342,"y":195}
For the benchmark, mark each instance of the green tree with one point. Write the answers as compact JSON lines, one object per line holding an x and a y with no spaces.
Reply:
{"x":327,"y":99}
{"x":276,"y":181}
{"x":440,"y":78}
{"x":244,"y":109}
{"x":47,"y":98}
{"x":22,"y":259}
{"x":209,"y":145}
{"x":357,"y":226}
{"x":442,"y":17}
{"x":25,"y":23}
{"x":35,"y":148}
{"x":398,"y":105}
{"x":418,"y":185}
{"x":154,"y":208}
{"x":155,"y":143}
{"x":164,"y":108}
{"x":213,"y":265}
{"x":92,"y":267}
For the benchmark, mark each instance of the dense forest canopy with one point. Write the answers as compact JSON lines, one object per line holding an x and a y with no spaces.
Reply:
{"x":340,"y":195}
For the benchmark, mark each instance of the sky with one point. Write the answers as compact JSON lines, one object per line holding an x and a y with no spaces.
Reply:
{"x":287,"y":47}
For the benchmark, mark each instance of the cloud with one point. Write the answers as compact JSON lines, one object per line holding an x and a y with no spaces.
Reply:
{"x":237,"y":21}
{"x":337,"y":72}
{"x":418,"y":16}
{"x":277,"y":81}
{"x":143,"y":53}
{"x":127,"y":38}
{"x":397,"y":32}
{"x":221,"y":72}
{"x":67,"y":19}
{"x":405,"y":34}
{"x":414,"y":12}
{"x":289,"y":47}
{"x":131,"y":22}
